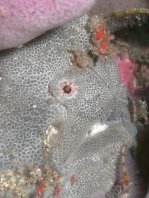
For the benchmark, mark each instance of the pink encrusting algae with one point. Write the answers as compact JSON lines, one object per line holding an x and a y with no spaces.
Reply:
{"x":126,"y":72}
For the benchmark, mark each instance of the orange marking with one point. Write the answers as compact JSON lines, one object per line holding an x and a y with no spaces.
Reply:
{"x":57,"y":191}
{"x":40,"y":188}
{"x":100,"y":33}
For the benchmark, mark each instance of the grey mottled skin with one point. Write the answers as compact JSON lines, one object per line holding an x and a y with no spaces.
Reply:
{"x":32,"y":99}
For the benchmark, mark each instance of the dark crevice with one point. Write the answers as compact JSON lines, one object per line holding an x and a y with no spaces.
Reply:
{"x":131,"y":33}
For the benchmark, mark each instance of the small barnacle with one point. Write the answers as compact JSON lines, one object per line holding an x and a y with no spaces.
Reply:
{"x":53,"y":134}
{"x":81,"y":59}
{"x":49,"y":138}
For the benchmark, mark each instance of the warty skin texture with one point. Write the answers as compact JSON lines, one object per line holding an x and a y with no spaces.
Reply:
{"x":94,"y":120}
{"x":29,"y":108}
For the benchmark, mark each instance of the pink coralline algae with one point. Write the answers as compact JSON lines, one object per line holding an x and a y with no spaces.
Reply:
{"x":22,"y":21}
{"x":126,"y":71}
